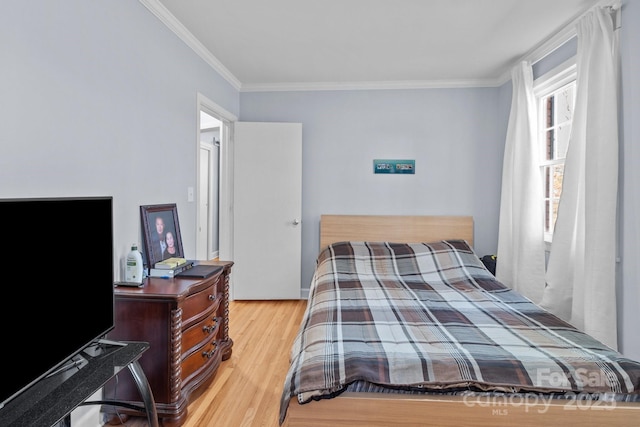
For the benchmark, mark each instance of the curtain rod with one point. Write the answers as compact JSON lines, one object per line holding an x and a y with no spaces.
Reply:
{"x":568,"y":32}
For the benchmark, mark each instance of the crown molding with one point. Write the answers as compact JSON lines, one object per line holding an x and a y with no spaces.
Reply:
{"x":381,"y":85}
{"x":190,"y":40}
{"x":544,"y":48}
{"x":170,"y":21}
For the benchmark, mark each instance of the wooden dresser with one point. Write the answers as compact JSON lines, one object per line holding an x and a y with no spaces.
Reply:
{"x":186,"y":323}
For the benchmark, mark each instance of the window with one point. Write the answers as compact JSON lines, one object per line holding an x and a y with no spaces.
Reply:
{"x":555,"y":96}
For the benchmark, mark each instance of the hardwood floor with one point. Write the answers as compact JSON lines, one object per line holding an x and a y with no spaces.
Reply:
{"x":247,"y":387}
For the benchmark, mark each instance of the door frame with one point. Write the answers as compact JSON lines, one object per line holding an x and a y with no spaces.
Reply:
{"x":225,"y":173}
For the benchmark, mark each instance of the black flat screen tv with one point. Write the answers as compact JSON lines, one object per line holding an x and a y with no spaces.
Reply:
{"x":57,"y":284}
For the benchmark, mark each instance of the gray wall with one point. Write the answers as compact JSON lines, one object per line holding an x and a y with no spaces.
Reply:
{"x":629,"y":196}
{"x":99,"y":97}
{"x":455,"y":136}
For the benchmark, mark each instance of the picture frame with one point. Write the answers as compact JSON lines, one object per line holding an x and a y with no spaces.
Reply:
{"x":159,"y":224}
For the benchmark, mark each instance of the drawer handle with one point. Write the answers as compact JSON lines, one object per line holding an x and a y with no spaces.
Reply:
{"x":209,"y":354}
{"x":210,"y":328}
{"x":212,"y":297}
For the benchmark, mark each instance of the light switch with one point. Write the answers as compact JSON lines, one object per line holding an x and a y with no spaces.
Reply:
{"x":190,"y":194}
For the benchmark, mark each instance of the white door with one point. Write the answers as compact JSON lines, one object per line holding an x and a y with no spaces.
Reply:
{"x":267,"y":206}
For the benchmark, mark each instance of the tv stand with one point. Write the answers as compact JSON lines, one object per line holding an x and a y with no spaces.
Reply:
{"x":104,"y":341}
{"x":50,"y":400}
{"x":76,"y":362}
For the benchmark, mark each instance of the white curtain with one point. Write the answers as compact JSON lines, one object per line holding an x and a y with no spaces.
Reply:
{"x":520,"y":263}
{"x":581,"y":276}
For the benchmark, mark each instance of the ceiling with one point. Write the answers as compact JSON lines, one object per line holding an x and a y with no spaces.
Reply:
{"x":289,"y":44}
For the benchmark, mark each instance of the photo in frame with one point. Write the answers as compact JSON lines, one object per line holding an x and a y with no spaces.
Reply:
{"x":161,"y":232}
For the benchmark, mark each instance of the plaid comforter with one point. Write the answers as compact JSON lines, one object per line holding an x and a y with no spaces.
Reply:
{"x":431,"y":316}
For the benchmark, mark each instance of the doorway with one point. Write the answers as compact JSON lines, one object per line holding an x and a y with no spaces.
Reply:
{"x":212,"y":193}
{"x":208,"y":192}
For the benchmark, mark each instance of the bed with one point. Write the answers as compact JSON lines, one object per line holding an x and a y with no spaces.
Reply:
{"x":405,"y":326}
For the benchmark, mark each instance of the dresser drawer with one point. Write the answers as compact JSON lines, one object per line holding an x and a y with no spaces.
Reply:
{"x":197,"y":304}
{"x":205,"y":355}
{"x":202,"y":331}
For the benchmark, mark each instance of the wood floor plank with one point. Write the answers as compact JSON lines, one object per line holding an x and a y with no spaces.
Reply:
{"x":247,"y":387}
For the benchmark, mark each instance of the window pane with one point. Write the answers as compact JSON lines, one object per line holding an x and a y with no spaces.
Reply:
{"x":550,"y":145}
{"x":547,"y":217}
{"x":562,"y":141}
{"x":564,"y":104}
{"x":549,"y":112}
{"x":548,"y":226}
{"x":556,"y":110}
{"x":554,"y":214}
{"x":558,"y":175}
{"x":547,"y":182}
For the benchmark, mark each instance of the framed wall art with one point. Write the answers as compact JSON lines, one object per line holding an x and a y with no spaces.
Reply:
{"x":386,"y":166}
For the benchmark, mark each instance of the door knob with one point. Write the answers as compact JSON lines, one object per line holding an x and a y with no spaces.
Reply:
{"x":296,"y":221}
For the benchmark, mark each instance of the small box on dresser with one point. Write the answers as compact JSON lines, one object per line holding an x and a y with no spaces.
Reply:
{"x":186,"y":323}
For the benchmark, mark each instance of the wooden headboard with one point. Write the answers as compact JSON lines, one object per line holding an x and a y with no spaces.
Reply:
{"x":394,"y":228}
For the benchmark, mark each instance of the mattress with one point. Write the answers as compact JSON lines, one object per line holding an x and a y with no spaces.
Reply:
{"x":430,"y":318}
